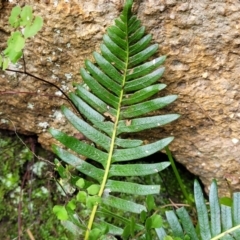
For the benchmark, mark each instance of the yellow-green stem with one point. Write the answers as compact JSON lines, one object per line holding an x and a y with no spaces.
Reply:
{"x":176,"y":173}
{"x":108,"y":165}
{"x":226,"y":232}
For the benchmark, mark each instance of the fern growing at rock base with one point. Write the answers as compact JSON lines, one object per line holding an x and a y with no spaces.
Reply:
{"x":121,"y":84}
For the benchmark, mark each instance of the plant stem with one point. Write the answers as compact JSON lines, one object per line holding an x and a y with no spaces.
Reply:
{"x":179,"y":179}
{"x":226,"y":232}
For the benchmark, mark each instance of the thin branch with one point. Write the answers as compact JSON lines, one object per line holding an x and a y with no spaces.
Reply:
{"x":45,"y":81}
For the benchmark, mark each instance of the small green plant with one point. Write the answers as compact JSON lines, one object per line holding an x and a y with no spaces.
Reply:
{"x":26,"y":26}
{"x":224,"y":220}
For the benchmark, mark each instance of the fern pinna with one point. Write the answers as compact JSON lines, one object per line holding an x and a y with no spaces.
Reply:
{"x":116,"y":101}
{"x":216,"y":220}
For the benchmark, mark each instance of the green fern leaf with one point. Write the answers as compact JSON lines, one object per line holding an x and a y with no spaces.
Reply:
{"x":136,"y":169}
{"x":236,"y":208}
{"x":131,"y":188}
{"x":236,"y":213}
{"x":187,"y":223}
{"x":224,"y":219}
{"x":174,"y":223}
{"x":214,"y":210}
{"x":113,"y":100}
{"x":202,"y":211}
{"x":122,"y":204}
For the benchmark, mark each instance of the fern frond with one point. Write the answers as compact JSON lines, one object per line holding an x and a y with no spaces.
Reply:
{"x":224,"y":220}
{"x":121,"y":80}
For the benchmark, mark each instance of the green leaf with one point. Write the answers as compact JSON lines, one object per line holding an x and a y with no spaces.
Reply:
{"x":81,"y":197}
{"x":142,"y":94}
{"x":113,"y":101}
{"x":174,"y":224}
{"x":214,"y":210}
{"x":60,"y":212}
{"x":119,"y":40}
{"x":12,"y":55}
{"x":15,"y":43}
{"x":142,"y":56}
{"x":150,"y":203}
{"x":226,"y":201}
{"x":60,"y":169}
{"x":140,"y":45}
{"x":139,"y":124}
{"x":72,"y":204}
{"x":148,"y":106}
{"x":107,"y":213}
{"x":31,"y":30}
{"x":108,"y":68}
{"x":131,"y":188}
{"x":128,"y":143}
{"x":98,"y":89}
{"x":92,"y":201}
{"x":161,"y":233}
{"x":112,"y":229}
{"x":226,"y":217}
{"x":202,"y":211}
{"x":143,"y":214}
{"x":5,"y":63}
{"x":14,"y":17}
{"x":137,"y":169}
{"x":26,"y":16}
{"x":132,"y":226}
{"x":236,"y":208}
{"x":140,"y":152}
{"x":103,"y":78}
{"x":155,"y":221}
{"x":134,"y":24}
{"x":122,"y":204}
{"x":95,"y":234}
{"x":87,"y":130}
{"x":236,"y":213}
{"x":93,"y":189}
{"x":79,"y":164}
{"x":187,"y":223}
{"x":113,"y":47}
{"x":80,"y":183}
{"x":145,"y":68}
{"x":144,"y":81}
{"x":79,"y":147}
{"x":126,"y":232}
{"x":71,"y":227}
{"x":95,"y":102}
{"x":120,"y":24}
{"x":85,"y":109}
{"x":108,"y":55}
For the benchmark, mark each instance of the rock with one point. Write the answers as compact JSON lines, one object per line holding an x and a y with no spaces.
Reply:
{"x":201,"y":42}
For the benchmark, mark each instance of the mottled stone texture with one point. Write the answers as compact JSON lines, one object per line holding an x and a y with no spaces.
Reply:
{"x":201,"y":40}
